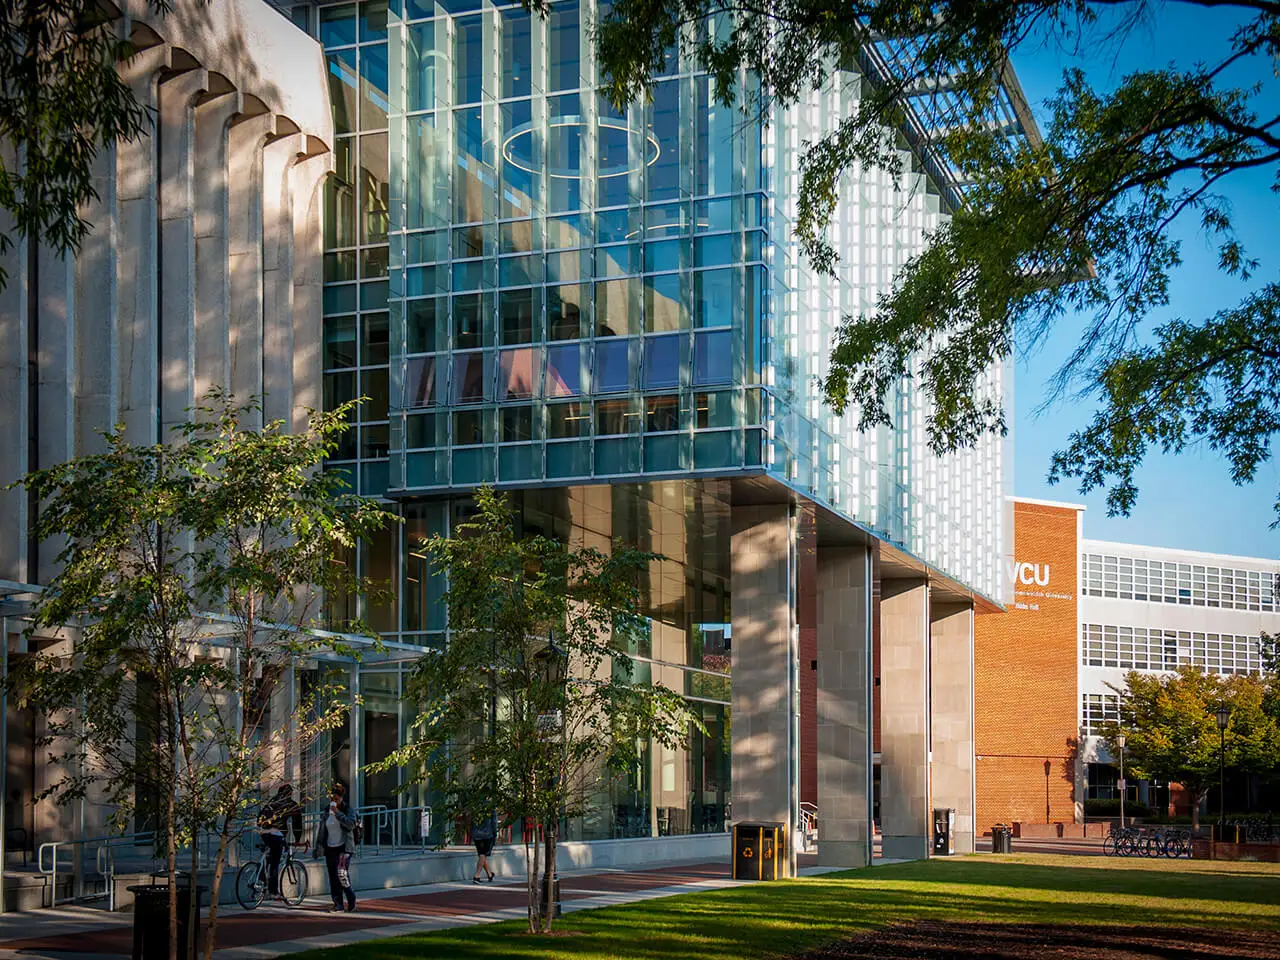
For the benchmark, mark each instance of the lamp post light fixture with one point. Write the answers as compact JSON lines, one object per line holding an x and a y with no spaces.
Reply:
{"x":1224,"y":717}
{"x":1120,"y":747}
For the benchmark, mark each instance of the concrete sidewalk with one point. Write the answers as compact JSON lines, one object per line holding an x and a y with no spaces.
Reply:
{"x":272,"y":931}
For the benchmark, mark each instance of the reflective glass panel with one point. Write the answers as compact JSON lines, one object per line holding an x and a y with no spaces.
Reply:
{"x":342,"y":90}
{"x":564,"y":370}
{"x":564,"y":311}
{"x":420,"y":382}
{"x":518,"y":372}
{"x":515,"y":69}
{"x":568,"y":420}
{"x":662,"y":308}
{"x":713,"y":357}
{"x":615,"y":309}
{"x":470,"y":381}
{"x":468,"y":60}
{"x":612,"y":373}
{"x":662,"y":362}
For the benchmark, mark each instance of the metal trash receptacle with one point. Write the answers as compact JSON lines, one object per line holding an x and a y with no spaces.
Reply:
{"x":151,"y":920}
{"x":760,"y":850}
{"x":1001,"y":839}
{"x":944,"y":834}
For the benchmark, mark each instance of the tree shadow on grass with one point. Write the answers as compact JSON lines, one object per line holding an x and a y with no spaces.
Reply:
{"x":786,"y":919}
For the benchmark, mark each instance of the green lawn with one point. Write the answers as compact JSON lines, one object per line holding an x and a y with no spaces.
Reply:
{"x":784,"y":919}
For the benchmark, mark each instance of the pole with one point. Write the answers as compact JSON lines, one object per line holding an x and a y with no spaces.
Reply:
{"x":1048,"y":767}
{"x":1122,"y":788}
{"x":1222,"y":797}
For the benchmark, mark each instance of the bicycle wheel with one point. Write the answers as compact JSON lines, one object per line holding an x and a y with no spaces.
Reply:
{"x":1109,"y":846}
{"x":293,"y":883}
{"x":251,"y":886}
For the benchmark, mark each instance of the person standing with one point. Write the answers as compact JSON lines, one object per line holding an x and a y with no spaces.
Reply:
{"x":335,"y":841}
{"x":277,"y":815}
{"x":482,"y":835}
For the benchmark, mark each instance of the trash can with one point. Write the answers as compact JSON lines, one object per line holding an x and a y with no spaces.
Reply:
{"x":151,"y":920}
{"x":1001,"y":839}
{"x":759,"y":850}
{"x":944,"y":840}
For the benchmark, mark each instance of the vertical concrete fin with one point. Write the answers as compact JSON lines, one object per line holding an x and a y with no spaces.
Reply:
{"x":905,"y":802}
{"x":761,"y":556}
{"x":277,"y":275}
{"x":138,"y":257}
{"x":245,"y":148}
{"x":951,"y":673}
{"x":308,"y":285}
{"x":213,"y":118}
{"x":14,"y":389}
{"x":178,"y":95}
{"x":844,"y":706}
{"x":97,"y":345}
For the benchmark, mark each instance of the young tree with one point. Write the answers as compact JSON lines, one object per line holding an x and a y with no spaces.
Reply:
{"x":61,"y":101}
{"x":531,"y":705}
{"x":1093,"y":203}
{"x":189,"y":579}
{"x":1171,"y":728}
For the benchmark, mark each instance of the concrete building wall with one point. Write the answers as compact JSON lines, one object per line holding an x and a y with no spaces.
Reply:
{"x":1025,"y":677}
{"x":143,"y":322}
{"x":951,"y":717}
{"x":905,"y":809}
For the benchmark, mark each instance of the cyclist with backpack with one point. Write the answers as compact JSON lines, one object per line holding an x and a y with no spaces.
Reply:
{"x":280,"y":813}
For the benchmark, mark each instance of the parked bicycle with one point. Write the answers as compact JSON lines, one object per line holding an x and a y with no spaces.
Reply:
{"x":251,"y":880}
{"x":1131,"y":842}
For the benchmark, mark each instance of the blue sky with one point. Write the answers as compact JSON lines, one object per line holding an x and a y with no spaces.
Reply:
{"x":1188,"y":500}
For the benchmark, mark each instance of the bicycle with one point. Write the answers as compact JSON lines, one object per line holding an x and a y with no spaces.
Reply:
{"x":251,"y":880}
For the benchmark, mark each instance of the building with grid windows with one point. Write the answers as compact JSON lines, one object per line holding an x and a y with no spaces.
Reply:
{"x":603,"y":312}
{"x":1092,"y":611}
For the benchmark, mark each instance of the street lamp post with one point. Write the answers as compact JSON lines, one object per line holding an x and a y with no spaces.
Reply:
{"x":1224,"y":716}
{"x":1048,"y":768}
{"x":1120,"y":746}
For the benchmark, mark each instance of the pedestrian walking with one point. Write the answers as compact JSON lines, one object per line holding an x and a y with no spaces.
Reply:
{"x":482,"y":835}
{"x":335,"y":841}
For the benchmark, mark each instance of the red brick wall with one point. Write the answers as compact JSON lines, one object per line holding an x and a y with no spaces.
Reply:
{"x":1025,"y":691}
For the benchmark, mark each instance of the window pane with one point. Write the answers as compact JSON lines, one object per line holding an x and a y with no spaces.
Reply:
{"x":662,"y":362}
{"x":567,"y":420}
{"x":468,"y":60}
{"x":339,"y":267}
{"x":662,"y":303}
{"x":713,"y":297}
{"x":342,"y":90}
{"x":470,"y":382}
{"x":517,"y":32}
{"x":564,"y":370}
{"x":340,"y":197}
{"x":338,"y":25}
{"x":471,"y":427}
{"x":518,"y":370}
{"x":615,"y":310}
{"x":516,"y":424}
{"x":563,"y":48}
{"x":613,"y":417}
{"x":420,"y":89}
{"x":373,"y":20}
{"x":373,"y":87}
{"x":612,"y":362}
{"x":663,"y":175}
{"x":662,"y":414}
{"x":564,"y":311}
{"x":564,"y":154}
{"x":377,"y":338}
{"x":375,"y":192}
{"x":423,"y":322}
{"x":339,"y":342}
{"x":420,"y":382}
{"x":472,"y":320}
{"x":516,"y":312}
{"x":474,"y":176}
{"x":521,"y":167}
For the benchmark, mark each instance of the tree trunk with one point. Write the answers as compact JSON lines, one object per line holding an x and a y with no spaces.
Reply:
{"x":532,"y":866}
{"x":215,"y":886}
{"x":549,"y":879}
{"x":193,"y":890}
{"x":171,"y":866}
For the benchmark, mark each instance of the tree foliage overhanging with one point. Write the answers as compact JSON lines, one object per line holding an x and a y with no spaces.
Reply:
{"x":1081,"y":221}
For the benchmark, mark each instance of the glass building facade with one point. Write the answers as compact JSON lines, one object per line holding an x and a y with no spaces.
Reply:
{"x":606,"y":310}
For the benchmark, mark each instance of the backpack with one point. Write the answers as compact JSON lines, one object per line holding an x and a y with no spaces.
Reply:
{"x":268,"y":818}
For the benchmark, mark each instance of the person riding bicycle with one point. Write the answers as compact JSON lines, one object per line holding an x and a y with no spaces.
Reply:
{"x":279,"y":813}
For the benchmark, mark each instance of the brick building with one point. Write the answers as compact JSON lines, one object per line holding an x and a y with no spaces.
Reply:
{"x":1082,"y":614}
{"x":1025,"y":684}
